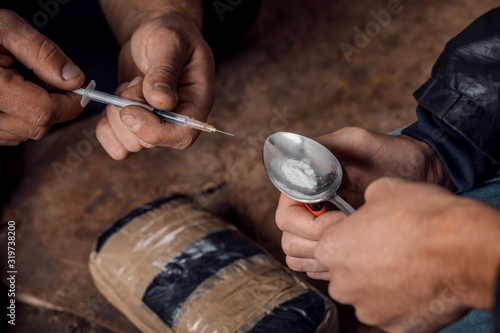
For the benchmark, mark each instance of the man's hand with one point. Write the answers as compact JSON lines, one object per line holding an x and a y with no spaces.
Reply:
{"x":301,"y":233}
{"x":122,"y":139}
{"x":177,"y":68}
{"x":28,"y":111}
{"x":365,"y":156}
{"x":414,"y":257}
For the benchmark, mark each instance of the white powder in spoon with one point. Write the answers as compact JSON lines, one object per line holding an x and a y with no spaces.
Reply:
{"x":299,"y":173}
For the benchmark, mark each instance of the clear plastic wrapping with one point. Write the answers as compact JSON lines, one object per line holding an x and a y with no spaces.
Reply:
{"x":170,"y":267}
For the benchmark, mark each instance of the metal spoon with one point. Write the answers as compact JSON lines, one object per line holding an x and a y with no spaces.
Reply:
{"x":303,"y":169}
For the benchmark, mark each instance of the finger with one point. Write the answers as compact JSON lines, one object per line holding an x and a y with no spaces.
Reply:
{"x":148,"y":127}
{"x":176,"y":75}
{"x":125,"y":85}
{"x":297,"y":247}
{"x":327,"y":248}
{"x":196,"y":92}
{"x":6,"y":60}
{"x":304,"y":265}
{"x":30,"y":103}
{"x":291,"y":213}
{"x":8,"y":139}
{"x":129,"y":140}
{"x":18,"y":128}
{"x":133,"y":91}
{"x":38,"y":53}
{"x":326,"y":276}
{"x":11,"y":137}
{"x":351,"y":141}
{"x":9,"y":142}
{"x":196,"y":82}
{"x":109,"y":141}
{"x":295,"y":218}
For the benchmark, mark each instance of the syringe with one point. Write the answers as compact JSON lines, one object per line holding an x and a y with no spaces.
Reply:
{"x":89,"y":93}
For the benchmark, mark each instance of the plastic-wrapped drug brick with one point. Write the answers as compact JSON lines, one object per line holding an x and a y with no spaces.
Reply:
{"x":170,"y":267}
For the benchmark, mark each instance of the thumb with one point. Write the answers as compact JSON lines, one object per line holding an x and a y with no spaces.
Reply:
{"x":328,"y":245}
{"x":382,"y":187}
{"x":165,"y":62}
{"x":38,"y":53}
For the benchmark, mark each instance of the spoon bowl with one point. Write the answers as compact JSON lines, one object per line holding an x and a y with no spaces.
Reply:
{"x":303,"y":169}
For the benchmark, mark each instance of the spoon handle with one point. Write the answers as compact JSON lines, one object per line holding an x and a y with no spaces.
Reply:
{"x":341,"y":204}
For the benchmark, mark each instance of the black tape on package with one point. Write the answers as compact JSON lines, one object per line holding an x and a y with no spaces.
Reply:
{"x":202,"y":259}
{"x":303,"y":313}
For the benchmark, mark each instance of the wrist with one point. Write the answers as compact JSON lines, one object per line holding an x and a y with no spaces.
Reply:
{"x":434,"y":170}
{"x":477,"y":252}
{"x":437,"y":173}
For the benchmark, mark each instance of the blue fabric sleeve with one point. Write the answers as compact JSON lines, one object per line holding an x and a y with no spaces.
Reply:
{"x":466,"y":165}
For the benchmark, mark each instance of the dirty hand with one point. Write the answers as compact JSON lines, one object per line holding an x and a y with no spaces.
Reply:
{"x":301,"y":233}
{"x":178,"y":69}
{"x":110,"y":127}
{"x":364,"y":156}
{"x":28,"y":111}
{"x":414,"y":257}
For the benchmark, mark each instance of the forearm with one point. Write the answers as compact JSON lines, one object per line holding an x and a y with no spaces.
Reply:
{"x":125,"y":16}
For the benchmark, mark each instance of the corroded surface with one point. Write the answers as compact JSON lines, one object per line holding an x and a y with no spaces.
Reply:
{"x":289,"y":74}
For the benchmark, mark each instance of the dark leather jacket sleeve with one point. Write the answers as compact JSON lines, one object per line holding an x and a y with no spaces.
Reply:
{"x":462,"y":100}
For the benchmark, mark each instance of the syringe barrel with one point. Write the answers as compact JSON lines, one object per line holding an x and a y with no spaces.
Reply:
{"x":105,"y":98}
{"x":172,"y":117}
{"x":90,"y":94}
{"x":113,"y":100}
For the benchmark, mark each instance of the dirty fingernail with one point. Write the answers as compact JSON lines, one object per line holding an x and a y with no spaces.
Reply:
{"x":132,"y":122}
{"x":164,"y":88}
{"x":134,"y":82}
{"x":70,"y":71}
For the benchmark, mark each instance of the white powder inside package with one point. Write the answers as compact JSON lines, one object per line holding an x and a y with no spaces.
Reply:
{"x":299,"y":173}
